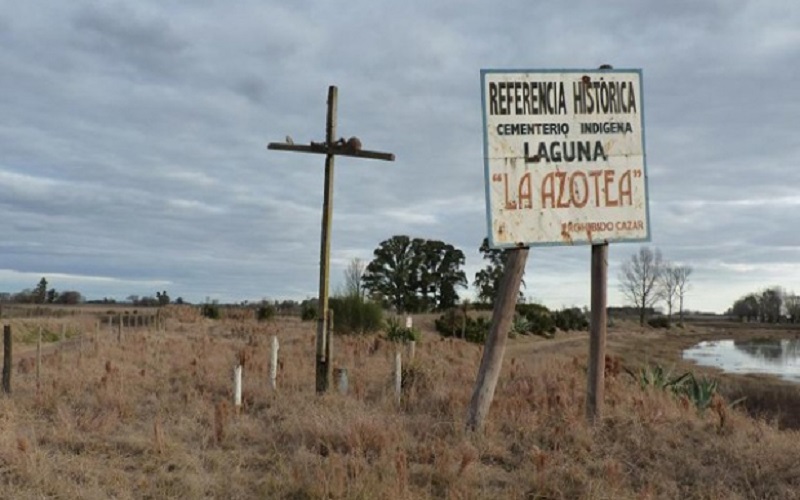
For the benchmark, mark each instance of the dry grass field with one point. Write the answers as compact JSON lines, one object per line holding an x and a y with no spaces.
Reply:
{"x":152,"y":417}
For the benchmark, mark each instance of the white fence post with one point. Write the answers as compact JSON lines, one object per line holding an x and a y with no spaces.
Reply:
{"x":273,"y":364}
{"x":237,"y":386}
{"x":398,"y":375}
{"x":341,"y":380}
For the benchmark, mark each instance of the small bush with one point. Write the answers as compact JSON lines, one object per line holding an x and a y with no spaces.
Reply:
{"x":211,"y":311}
{"x":308,"y":312}
{"x":453,"y":322}
{"x":265,"y":312}
{"x":571,"y":319}
{"x":353,"y":314}
{"x":538,"y":319}
{"x":659,"y":322}
{"x":399,"y":333}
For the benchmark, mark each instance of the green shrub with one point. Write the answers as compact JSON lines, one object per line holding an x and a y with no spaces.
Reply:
{"x":571,"y":319}
{"x":265,"y":311}
{"x":452,"y":323}
{"x":658,"y":322}
{"x":400,"y":333}
{"x":308,"y":312}
{"x":211,"y":311}
{"x":353,"y":314}
{"x":539,"y":319}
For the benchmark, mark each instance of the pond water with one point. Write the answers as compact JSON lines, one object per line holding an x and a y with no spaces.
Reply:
{"x":764,"y":356}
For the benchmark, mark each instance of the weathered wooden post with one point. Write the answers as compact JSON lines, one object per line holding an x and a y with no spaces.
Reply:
{"x":329,"y":348}
{"x":412,"y":350}
{"x":7,"y":361}
{"x":237,"y":386}
{"x":39,"y":357}
{"x":502,"y":318}
{"x":330,"y":148}
{"x":273,"y":364}
{"x":597,"y":334}
{"x":341,"y":380}
{"x":398,"y":376}
{"x":119,"y":329}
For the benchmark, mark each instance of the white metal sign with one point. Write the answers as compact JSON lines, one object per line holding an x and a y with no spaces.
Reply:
{"x":564,"y":157}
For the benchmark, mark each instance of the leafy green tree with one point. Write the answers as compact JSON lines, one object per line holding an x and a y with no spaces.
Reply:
{"x":391,"y":272}
{"x":487,"y":280}
{"x":40,"y":292}
{"x":770,"y":302}
{"x":415,"y":275}
{"x":438,"y":274}
{"x":746,"y":308}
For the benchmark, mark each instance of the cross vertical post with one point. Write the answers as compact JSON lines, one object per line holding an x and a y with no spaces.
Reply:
{"x":330,"y":148}
{"x":322,"y":379}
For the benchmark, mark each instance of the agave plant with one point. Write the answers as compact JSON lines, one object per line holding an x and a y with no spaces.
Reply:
{"x":701,"y":391}
{"x":656,"y":376}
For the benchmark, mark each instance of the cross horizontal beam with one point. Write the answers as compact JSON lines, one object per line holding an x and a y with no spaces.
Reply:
{"x":335,"y":149}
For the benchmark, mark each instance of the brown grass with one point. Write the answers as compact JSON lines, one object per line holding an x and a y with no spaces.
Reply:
{"x":153,"y":418}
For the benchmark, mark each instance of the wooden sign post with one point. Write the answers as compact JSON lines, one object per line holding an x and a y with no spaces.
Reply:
{"x":564,"y":165}
{"x":331,"y":148}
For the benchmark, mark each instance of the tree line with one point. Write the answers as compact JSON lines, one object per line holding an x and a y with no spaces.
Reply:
{"x":771,"y":305}
{"x":41,"y":294}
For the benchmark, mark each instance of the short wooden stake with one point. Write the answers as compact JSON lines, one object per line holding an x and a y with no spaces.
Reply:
{"x":39,"y":358}
{"x":398,"y":376}
{"x":119,"y":329}
{"x":7,"y":362}
{"x":273,"y":364}
{"x":341,"y":380}
{"x":412,"y":348}
{"x":237,"y":386}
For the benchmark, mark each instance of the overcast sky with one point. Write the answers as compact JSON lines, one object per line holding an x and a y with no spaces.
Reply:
{"x":133,"y":138}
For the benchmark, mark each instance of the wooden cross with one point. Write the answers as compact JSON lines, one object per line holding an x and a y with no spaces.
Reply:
{"x":331,"y":148}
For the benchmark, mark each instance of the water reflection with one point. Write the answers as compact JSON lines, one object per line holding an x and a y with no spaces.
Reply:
{"x":766,"y":356}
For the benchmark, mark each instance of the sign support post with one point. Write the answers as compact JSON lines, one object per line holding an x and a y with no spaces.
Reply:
{"x":564,"y":165}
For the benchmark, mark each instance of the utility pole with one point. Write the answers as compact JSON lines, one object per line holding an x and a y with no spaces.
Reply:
{"x":331,"y":148}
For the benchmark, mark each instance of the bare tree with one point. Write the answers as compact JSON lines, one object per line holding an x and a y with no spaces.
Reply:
{"x":353,"y":278}
{"x":682,"y":274}
{"x":667,"y":287}
{"x":639,"y":277}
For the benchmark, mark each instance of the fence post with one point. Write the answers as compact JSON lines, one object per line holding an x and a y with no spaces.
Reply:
{"x":412,"y":349}
{"x":398,"y":375}
{"x":39,"y":357}
{"x":273,"y":363}
{"x":7,"y":359}
{"x":237,"y":386}
{"x":119,"y":329}
{"x":341,"y":380}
